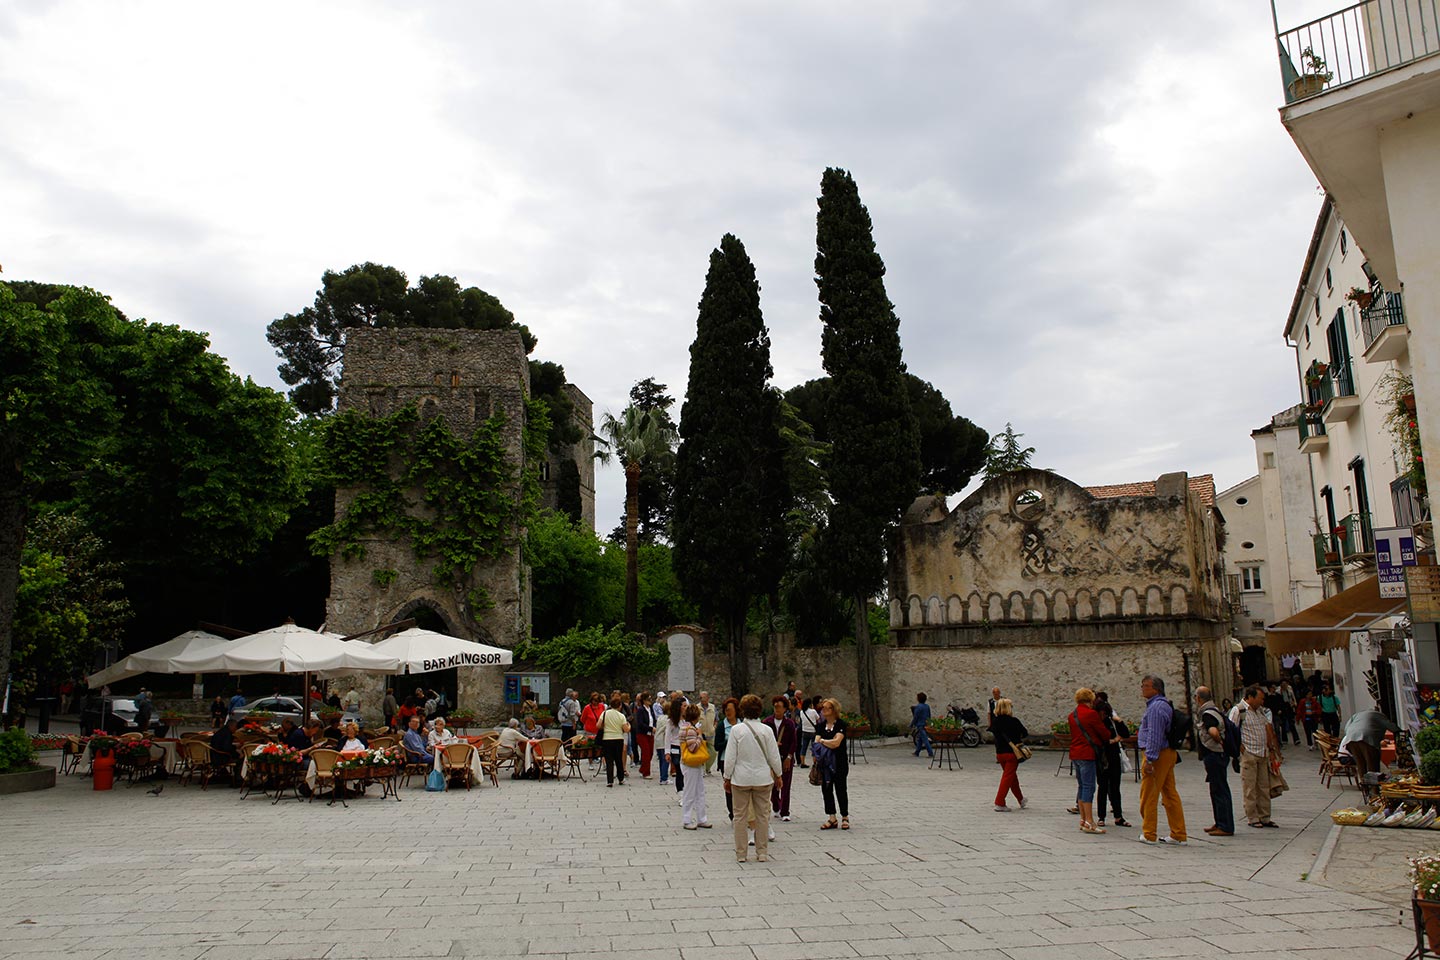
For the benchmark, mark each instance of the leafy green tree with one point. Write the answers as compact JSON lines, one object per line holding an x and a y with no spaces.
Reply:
{"x":730,"y":496}
{"x":55,"y":411}
{"x":657,"y":483}
{"x":567,"y":571}
{"x":547,"y":384}
{"x":952,"y":448}
{"x":311,"y":343}
{"x":875,"y":462}
{"x":69,"y":603}
{"x":638,"y":437}
{"x":1003,"y":453}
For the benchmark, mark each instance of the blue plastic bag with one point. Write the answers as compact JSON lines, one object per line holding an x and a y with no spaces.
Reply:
{"x":435,"y":782}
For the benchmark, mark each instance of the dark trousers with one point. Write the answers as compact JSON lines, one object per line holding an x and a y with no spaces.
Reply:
{"x":1331,"y":723}
{"x":780,"y":796}
{"x":1367,"y":758}
{"x":566,"y":733}
{"x":805,"y":740}
{"x":614,"y":751}
{"x":1107,"y":785}
{"x":1311,"y":723}
{"x":677,"y":770}
{"x":833,"y":788}
{"x":1216,"y":774}
{"x":1287,"y":725}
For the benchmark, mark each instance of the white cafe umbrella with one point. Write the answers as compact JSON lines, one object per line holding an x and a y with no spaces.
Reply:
{"x":157,"y":659}
{"x":421,"y":651}
{"x":288,"y":649}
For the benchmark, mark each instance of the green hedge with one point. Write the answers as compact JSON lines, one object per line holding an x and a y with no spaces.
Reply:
{"x":16,"y":750}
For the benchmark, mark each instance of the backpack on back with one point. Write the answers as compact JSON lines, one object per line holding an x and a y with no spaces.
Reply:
{"x":1181,"y":727}
{"x":1229,"y":733}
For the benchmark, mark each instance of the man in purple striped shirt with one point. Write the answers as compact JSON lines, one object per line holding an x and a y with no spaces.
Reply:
{"x":1157,"y":770}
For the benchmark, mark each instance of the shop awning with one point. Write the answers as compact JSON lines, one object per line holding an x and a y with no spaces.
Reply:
{"x":1328,"y":623}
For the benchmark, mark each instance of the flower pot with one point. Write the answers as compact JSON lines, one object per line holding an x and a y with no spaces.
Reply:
{"x":944,"y":735}
{"x":1430,"y":918}
{"x":1331,"y":557}
{"x":860,"y":729}
{"x":1307,"y":85}
{"x":1408,"y":401}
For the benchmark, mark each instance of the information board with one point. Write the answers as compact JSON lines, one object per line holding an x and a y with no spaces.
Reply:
{"x":1423,"y":586}
{"x":520,"y":687}
{"x":682,"y":662}
{"x":1394,"y":551}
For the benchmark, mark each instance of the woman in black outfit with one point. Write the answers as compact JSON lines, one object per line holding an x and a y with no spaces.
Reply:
{"x":830,"y":732}
{"x":1008,"y":730}
{"x":1107,"y":778}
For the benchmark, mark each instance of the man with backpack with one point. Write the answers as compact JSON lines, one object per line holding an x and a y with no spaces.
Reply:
{"x":1214,"y":753}
{"x":1157,"y":770}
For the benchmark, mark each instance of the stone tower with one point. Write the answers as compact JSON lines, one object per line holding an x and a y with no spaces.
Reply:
{"x":466,"y":375}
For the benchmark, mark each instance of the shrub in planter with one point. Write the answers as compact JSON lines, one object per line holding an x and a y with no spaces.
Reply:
{"x":1430,"y":768}
{"x":461,"y":718}
{"x":1428,"y":739}
{"x":17,"y":752}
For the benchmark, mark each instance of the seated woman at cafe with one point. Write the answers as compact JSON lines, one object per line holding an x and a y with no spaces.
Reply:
{"x":222,"y":744}
{"x":530,"y":729}
{"x":353,"y":740}
{"x":439,"y":734}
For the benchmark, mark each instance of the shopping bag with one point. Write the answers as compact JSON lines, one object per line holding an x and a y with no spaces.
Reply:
{"x":435,"y":781}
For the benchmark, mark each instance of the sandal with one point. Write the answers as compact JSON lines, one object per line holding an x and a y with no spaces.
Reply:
{"x":1073,"y":810}
{"x":845,"y":823}
{"x":1122,"y":822}
{"x":1087,"y":827}
{"x":830,"y":824}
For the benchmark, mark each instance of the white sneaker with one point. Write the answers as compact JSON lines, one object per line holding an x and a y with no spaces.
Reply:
{"x":1174,"y":843}
{"x":785,"y":819}
{"x":770,"y":834}
{"x":751,"y":835}
{"x":1001,"y":808}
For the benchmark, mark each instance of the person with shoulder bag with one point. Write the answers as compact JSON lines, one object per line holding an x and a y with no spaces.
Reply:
{"x":1109,"y":777}
{"x":1010,"y":736}
{"x":610,"y":729}
{"x":694,"y":753}
{"x":1088,"y":738}
{"x":752,"y":770}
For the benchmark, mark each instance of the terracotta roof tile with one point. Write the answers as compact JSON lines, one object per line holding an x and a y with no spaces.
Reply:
{"x":1202,"y":486}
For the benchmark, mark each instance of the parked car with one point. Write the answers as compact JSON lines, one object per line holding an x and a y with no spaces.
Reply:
{"x":114,"y":715}
{"x":283,"y":707}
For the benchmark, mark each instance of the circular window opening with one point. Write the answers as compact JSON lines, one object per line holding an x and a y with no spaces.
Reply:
{"x":1028,"y":505}
{"x":1248,"y":545}
{"x":1242,"y":500}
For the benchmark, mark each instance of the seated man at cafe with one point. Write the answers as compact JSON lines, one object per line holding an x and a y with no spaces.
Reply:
{"x":414,"y":741}
{"x":530,"y":729}
{"x":314,"y":733}
{"x":511,"y":744}
{"x":222,"y":743}
{"x":292,"y":736}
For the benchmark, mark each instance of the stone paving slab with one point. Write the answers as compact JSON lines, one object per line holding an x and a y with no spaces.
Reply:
{"x":575,"y":870}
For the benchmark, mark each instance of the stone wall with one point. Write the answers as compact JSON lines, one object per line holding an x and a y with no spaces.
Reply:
{"x":582,"y":454}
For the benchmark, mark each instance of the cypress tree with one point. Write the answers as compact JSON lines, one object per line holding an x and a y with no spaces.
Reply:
{"x":875,"y":458}
{"x":730,"y":499}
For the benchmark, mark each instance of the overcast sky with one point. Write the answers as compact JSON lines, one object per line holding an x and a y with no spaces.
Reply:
{"x":1092,"y":218}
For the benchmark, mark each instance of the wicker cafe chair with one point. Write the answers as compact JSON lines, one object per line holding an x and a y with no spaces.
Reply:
{"x":455,"y":762}
{"x":130,"y":737}
{"x":415,"y":765}
{"x":70,"y":755}
{"x":325,"y":760}
{"x":1335,"y":766}
{"x":198,"y":760}
{"x":572,"y":765}
{"x":547,"y":756}
{"x":377,"y":743}
{"x":489,"y":761}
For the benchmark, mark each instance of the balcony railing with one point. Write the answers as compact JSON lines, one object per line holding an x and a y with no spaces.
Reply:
{"x":1355,"y":537}
{"x":1385,"y":311}
{"x":1319,"y":388}
{"x":1356,"y":42}
{"x":1327,"y":552}
{"x":1311,"y":425}
{"x":1409,"y":509}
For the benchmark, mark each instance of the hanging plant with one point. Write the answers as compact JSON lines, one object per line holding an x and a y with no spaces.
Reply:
{"x":1404,"y":427}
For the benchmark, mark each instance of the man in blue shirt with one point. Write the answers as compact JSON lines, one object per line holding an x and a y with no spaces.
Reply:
{"x":1157,"y":770}
{"x":237,"y":701}
{"x":919,"y":718}
{"x":414,"y":743}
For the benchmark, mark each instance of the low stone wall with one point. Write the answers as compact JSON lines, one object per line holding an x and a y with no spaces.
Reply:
{"x":24,"y":781}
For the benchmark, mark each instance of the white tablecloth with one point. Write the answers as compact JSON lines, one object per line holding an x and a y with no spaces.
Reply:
{"x":167,"y":753}
{"x":477,"y":771}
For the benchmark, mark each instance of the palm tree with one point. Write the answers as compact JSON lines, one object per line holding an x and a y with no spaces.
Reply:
{"x":637,"y":437}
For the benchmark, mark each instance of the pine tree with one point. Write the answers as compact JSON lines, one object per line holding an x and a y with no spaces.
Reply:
{"x":875,"y":461}
{"x":1003,"y":453}
{"x":730,"y":495}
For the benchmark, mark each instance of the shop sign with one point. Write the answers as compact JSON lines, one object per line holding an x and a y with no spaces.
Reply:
{"x":1394,"y":551}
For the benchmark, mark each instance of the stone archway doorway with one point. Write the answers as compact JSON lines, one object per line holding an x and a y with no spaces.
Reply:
{"x":427,"y":616}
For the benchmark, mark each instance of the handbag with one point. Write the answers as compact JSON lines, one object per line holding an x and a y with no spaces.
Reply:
{"x":1022,"y":752}
{"x":693,"y":753}
{"x":815,"y":778}
{"x":600,"y":727}
{"x":435,"y":782}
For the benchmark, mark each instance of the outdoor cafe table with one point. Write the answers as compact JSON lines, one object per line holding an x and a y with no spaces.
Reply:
{"x":386,"y":776}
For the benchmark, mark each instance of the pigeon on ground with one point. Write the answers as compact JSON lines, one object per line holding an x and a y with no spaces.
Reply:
{"x":155,"y":792}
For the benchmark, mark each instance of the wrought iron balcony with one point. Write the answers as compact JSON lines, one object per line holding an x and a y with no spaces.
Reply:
{"x":1312,"y":432}
{"x":1410,"y":510}
{"x":1384,"y":325}
{"x":1355,"y":537}
{"x":1354,"y":43}
{"x":1327,"y":552}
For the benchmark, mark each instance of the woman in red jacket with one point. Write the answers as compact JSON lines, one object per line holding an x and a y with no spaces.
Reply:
{"x":1088,"y":737}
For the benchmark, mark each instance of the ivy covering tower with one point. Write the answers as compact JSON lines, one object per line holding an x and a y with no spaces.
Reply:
{"x":730,"y":499}
{"x":875,"y":457}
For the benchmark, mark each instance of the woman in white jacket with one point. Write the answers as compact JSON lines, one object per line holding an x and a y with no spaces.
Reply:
{"x":752,"y":769}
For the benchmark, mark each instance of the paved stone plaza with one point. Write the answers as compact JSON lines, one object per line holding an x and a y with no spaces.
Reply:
{"x":571,"y":869}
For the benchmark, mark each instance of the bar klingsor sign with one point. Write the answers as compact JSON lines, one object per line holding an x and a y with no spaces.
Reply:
{"x":1423,"y":586}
